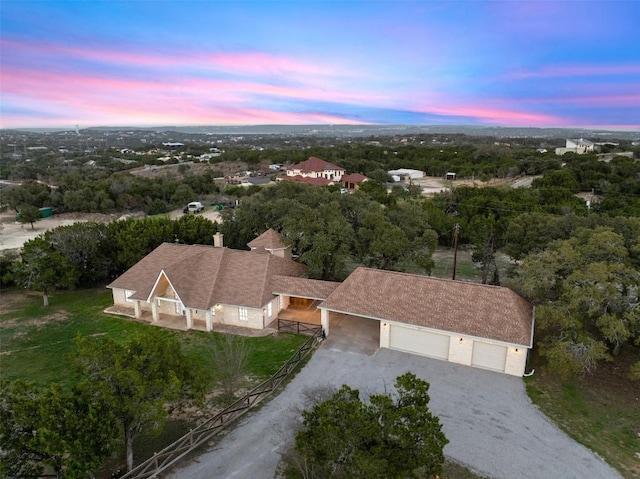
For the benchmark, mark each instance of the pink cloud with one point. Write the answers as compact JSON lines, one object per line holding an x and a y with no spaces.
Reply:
{"x":53,"y":86}
{"x":255,"y":63}
{"x":99,"y":100}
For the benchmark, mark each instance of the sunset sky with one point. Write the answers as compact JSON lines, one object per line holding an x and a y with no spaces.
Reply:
{"x":160,"y":63}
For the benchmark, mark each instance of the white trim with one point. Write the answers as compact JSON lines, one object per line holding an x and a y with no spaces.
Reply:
{"x":155,"y":285}
{"x":127,"y":295}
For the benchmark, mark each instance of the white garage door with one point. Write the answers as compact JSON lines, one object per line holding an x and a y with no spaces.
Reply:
{"x":489,"y":356}
{"x":420,"y":342}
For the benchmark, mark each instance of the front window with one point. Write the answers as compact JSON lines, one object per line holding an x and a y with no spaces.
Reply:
{"x":243,"y":314}
{"x":127,"y":295}
{"x":269,"y":309}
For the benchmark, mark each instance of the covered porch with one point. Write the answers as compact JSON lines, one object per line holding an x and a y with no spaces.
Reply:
{"x":299,"y":300}
{"x":179,"y":323}
{"x":299,"y":319}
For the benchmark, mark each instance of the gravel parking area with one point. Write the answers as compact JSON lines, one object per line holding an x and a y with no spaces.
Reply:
{"x":492,"y":426}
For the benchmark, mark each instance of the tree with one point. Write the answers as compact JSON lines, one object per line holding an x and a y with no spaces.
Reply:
{"x":42,"y":268}
{"x":136,"y":380}
{"x":322,"y":238}
{"x":380,"y":243}
{"x":385,"y":437}
{"x":586,"y":291}
{"x":82,"y":244}
{"x":29,"y":214}
{"x":230,"y":356}
{"x":52,"y":427}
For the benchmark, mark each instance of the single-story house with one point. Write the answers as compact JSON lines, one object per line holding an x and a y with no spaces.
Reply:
{"x":484,"y":326}
{"x":352,"y":181}
{"x":307,"y":180}
{"x":204,"y":284}
{"x":406,"y":174}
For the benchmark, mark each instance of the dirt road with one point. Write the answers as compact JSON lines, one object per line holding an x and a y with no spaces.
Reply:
{"x":14,"y":234}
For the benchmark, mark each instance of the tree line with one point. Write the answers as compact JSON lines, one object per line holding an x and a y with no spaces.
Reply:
{"x":615,"y":184}
{"x":331,"y":232}
{"x":89,"y":253}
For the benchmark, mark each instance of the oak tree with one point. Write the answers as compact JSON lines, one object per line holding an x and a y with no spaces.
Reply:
{"x":384,"y":437}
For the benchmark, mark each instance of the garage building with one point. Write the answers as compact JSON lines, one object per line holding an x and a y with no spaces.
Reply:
{"x":479,"y":325}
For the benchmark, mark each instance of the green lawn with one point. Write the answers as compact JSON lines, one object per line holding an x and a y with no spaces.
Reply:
{"x":36,"y":342}
{"x":601,"y":411}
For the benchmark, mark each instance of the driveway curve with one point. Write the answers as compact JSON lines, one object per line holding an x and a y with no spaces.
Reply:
{"x":492,"y":426}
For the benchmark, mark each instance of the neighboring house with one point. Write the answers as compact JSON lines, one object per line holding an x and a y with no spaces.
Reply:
{"x":307,"y":180}
{"x":406,"y":174}
{"x":352,"y":181}
{"x":576,"y":146}
{"x":316,"y":168}
{"x":478,"y":325}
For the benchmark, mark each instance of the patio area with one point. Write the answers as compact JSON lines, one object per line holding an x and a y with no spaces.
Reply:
{"x":309,"y":315}
{"x":179,"y":323}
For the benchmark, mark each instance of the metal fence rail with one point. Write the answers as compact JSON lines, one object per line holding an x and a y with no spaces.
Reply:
{"x":170,"y":455}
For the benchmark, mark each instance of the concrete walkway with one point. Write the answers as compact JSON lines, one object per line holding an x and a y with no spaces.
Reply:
{"x":492,"y":426}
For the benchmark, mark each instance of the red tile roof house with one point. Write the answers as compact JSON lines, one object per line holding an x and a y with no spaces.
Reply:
{"x":489,"y":327}
{"x":320,"y":171}
{"x":352,"y":181}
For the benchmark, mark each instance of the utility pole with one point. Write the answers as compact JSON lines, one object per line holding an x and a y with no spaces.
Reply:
{"x":455,"y":249}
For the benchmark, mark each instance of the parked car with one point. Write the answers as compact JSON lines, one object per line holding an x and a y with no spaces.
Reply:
{"x":195,"y":207}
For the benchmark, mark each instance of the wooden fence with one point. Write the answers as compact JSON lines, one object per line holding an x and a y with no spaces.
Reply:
{"x":286,"y":325}
{"x":170,"y":455}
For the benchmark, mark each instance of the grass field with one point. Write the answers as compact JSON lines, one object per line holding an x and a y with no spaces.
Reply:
{"x":601,"y":410}
{"x":35,"y":342}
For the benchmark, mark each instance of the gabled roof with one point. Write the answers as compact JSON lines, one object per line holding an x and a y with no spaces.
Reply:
{"x":302,"y":287}
{"x":203,"y":276}
{"x":269,"y":240}
{"x":314,"y":164}
{"x":354,"y":178}
{"x":472,"y":309}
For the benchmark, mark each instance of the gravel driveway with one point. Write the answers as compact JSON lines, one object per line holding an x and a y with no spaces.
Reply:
{"x":492,"y":426}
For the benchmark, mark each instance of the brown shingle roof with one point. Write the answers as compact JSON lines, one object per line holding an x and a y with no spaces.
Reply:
{"x":302,"y":287}
{"x":354,"y":178}
{"x":308,"y":180}
{"x":314,"y":164}
{"x":473,"y":309}
{"x":204,"y":276}
{"x":269,"y":240}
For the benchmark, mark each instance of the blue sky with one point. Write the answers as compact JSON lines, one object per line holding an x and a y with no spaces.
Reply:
{"x":152,"y":63}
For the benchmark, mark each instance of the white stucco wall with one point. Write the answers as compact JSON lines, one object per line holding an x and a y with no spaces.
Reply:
{"x":119,"y":298}
{"x":385,"y":334}
{"x":460,"y":349}
{"x":230,"y":315}
{"x":516,"y":361}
